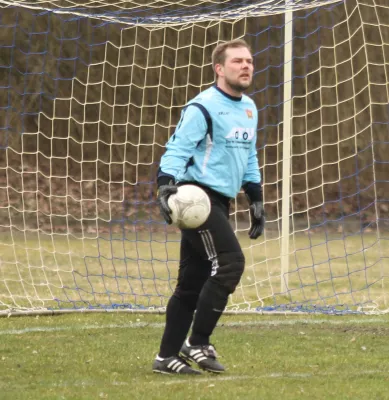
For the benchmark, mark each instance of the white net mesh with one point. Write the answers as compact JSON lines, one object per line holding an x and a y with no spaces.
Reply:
{"x":90,"y":94}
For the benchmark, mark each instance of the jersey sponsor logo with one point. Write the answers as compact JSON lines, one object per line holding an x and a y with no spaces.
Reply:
{"x":224,"y":112}
{"x":241,"y":134}
{"x":249,"y":113}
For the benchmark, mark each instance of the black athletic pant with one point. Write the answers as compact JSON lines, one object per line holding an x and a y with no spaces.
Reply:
{"x":211,"y":265}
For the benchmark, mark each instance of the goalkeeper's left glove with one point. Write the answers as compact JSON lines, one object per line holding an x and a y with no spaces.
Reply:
{"x":257,"y":213}
{"x":258,"y":219}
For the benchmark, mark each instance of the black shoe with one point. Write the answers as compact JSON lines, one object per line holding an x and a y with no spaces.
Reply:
{"x":204,"y":355}
{"x":174,"y":365}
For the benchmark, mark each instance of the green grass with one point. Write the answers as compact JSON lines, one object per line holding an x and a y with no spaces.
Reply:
{"x":39,"y":270}
{"x":93,"y":356}
{"x":109,"y":356}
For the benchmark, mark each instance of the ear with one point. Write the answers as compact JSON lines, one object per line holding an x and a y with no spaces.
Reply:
{"x":219,"y":70}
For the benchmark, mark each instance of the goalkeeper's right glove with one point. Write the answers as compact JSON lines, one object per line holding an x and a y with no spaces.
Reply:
{"x":166,"y":187}
{"x":163,"y":194}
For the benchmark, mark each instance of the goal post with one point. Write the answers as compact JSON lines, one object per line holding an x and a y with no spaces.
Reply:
{"x":90,"y":92}
{"x":286,"y":140}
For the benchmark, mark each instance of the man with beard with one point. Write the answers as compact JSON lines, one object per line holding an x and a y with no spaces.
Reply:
{"x":214,"y":147}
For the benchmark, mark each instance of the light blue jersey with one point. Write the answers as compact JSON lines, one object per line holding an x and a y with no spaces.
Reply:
{"x":214,"y":143}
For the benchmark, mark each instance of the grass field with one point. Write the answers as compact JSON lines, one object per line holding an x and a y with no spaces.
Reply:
{"x":39,"y":270}
{"x":109,"y":356}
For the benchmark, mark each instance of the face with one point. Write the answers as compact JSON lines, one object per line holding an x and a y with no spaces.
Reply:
{"x":237,"y":71}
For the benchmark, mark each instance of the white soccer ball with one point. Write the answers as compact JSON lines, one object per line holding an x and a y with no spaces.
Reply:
{"x":190,"y":206}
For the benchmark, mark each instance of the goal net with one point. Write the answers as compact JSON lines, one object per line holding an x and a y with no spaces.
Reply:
{"x":90,"y":93}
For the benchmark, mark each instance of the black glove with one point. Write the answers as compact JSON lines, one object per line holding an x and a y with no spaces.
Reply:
{"x":164,"y":192}
{"x":257,"y":214}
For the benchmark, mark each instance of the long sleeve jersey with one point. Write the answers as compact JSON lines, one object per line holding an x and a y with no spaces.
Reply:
{"x":214,"y":143}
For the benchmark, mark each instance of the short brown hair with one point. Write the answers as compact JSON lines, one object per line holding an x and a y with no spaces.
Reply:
{"x":219,"y":53}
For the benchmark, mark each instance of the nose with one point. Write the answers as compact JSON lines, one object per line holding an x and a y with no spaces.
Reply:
{"x":245,"y":65}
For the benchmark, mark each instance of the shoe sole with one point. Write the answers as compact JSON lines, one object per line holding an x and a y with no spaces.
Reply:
{"x":158,"y":371}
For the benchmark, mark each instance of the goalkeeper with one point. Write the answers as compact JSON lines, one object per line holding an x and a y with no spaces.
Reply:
{"x":214,"y":147}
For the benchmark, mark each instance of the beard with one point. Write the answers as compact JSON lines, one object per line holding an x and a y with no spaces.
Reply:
{"x":237,"y":86}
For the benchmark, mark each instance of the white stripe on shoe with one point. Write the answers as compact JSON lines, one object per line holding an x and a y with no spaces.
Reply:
{"x":180,"y":367}
{"x":176,"y":365}
{"x":171,"y":363}
{"x":197,"y":355}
